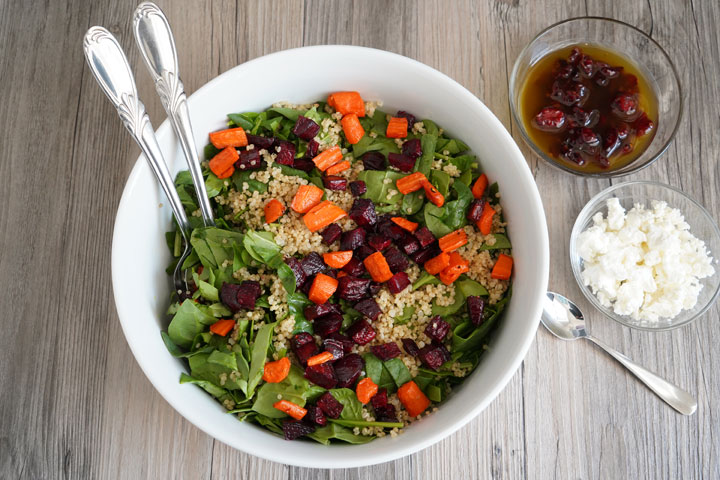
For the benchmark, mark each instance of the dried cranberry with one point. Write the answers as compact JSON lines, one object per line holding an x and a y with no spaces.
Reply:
{"x":583,"y":118}
{"x":352,"y":239}
{"x":610,"y":72}
{"x":571,"y":155}
{"x":352,"y":288}
{"x":625,"y":106}
{"x":363,"y":251}
{"x":379,"y":242}
{"x":313,"y":263}
{"x":361,"y":331}
{"x":398,"y":282}
{"x":402,"y":162}
{"x":476,"y":309}
{"x":322,"y":375}
{"x":249,"y":160}
{"x":296,"y":268}
{"x":410,"y":347}
{"x":369,"y":308}
{"x":331,"y":233}
{"x":424,"y":236}
{"x":348,"y":370}
{"x":362,"y":212}
{"x":335,"y":347}
{"x":396,"y":260}
{"x":437,"y":328}
{"x":386,"y":413}
{"x":315,"y":311}
{"x":329,"y":405}
{"x":408,"y":244}
{"x":422,"y":256}
{"x":575,"y":55}
{"x":564,"y":70}
{"x":346,"y":341}
{"x":569,"y":93}
{"x":602,"y":160}
{"x":611,"y":142}
{"x":260,"y":142}
{"x":386,"y":351}
{"x":373,"y":161}
{"x":335,"y":183}
{"x":293,"y":429}
{"x":643,"y":125}
{"x":327,"y":324}
{"x":601,"y":80}
{"x":305,"y":128}
{"x":380,"y":399}
{"x":315,"y":416}
{"x":589,"y":137}
{"x":358,"y":188}
{"x":432,"y":356}
{"x":549,"y":119}
{"x":410,"y":117}
{"x":285,"y":153}
{"x":412,"y":148}
{"x":303,"y":164}
{"x":354,"y":267}
{"x":586,"y":66}
{"x":475,"y":209}
{"x":312,"y":148}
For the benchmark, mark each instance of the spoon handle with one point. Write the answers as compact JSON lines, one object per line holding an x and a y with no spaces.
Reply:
{"x":674,"y":396}
{"x":157,"y":46}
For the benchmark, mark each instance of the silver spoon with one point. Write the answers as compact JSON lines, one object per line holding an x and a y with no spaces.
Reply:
{"x":565,"y":320}
{"x":110,"y":67}
{"x":157,"y":46}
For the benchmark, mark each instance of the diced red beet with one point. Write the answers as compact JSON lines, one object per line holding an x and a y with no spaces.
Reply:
{"x":358,"y":188}
{"x":386,"y":351}
{"x":300,"y":339}
{"x":303,"y":164}
{"x":410,"y":118}
{"x":410,"y":347}
{"x":305,"y":287}
{"x":422,"y":256}
{"x":424,"y":236}
{"x":408,"y":244}
{"x":397,"y":261}
{"x":335,"y":183}
{"x":398,"y":282}
{"x":386,"y":413}
{"x":327,"y":324}
{"x":322,"y":375}
{"x":331,"y":273}
{"x":305,"y":351}
{"x":361,"y":332}
{"x":475,"y":209}
{"x":369,"y":308}
{"x":412,"y":148}
{"x":346,"y":341}
{"x":296,"y":267}
{"x":362,"y":212}
{"x":354,"y":267}
{"x":401,"y":162}
{"x":378,"y":241}
{"x":437,"y":328}
{"x":335,"y":347}
{"x":314,"y":311}
{"x":247,"y":294}
{"x":352,"y":239}
{"x":476,"y":309}
{"x":352,"y":288}
{"x":293,"y":429}
{"x":313,"y":263}
{"x":249,"y":160}
{"x":373,"y":161}
{"x":285,"y":153}
{"x":432,"y":356}
{"x":260,"y":142}
{"x":305,"y":128}
{"x":380,"y":399}
{"x":312,"y":149}
{"x":314,"y":415}
{"x":389,"y":228}
{"x":348,"y":370}
{"x":363,"y":251}
{"x":374,"y":288}
{"x":228,"y":296}
{"x":331,"y":233}
{"x":329,"y":405}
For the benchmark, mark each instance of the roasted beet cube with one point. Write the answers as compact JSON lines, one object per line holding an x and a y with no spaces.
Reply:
{"x":314,"y":311}
{"x":260,"y":142}
{"x":389,"y":228}
{"x":422,"y":256}
{"x":362,"y":212}
{"x":358,"y":188}
{"x":410,"y":118}
{"x":313,"y":263}
{"x":331,"y":233}
{"x":410,"y":347}
{"x":386,"y":413}
{"x":327,"y":324}
{"x":354,"y":267}
{"x":412,"y":148}
{"x":424,"y":236}
{"x":408,"y":244}
{"x":380,"y":399}
{"x":432,"y":356}
{"x":346,"y":341}
{"x":285,"y":153}
{"x":363,"y":251}
{"x":397,"y":261}
{"x":314,"y":415}
{"x":352,"y":239}
{"x":305,"y":288}
{"x":329,"y":405}
{"x":476,"y":309}
{"x":335,"y":347}
{"x":247,"y":294}
{"x":303,"y":164}
{"x":373,"y":161}
{"x":401,"y":162}
{"x":305,"y":128}
{"x":312,"y":149}
{"x":304,"y":347}
{"x":475,"y":210}
{"x":437,"y":328}
{"x":296,"y":268}
{"x":374,"y":288}
{"x":386,"y":351}
{"x":228,"y":296}
{"x":249,"y":160}
{"x":335,"y":183}
{"x":378,"y":241}
{"x":348,"y":370}
{"x":398,"y":282}
{"x":369,"y":308}
{"x":361,"y":332}
{"x":331,"y":273}
{"x":352,"y":288}
{"x":322,"y":375}
{"x":300,"y":339}
{"x":293,"y":429}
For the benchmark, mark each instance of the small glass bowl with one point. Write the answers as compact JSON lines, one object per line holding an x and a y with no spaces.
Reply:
{"x":632,"y":43}
{"x":701,"y":224}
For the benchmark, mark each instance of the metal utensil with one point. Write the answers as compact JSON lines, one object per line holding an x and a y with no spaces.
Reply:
{"x":157,"y":46}
{"x":565,"y":320}
{"x":110,"y":67}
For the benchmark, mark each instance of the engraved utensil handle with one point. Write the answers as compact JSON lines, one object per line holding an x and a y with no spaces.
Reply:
{"x":110,"y":67}
{"x":157,"y":46}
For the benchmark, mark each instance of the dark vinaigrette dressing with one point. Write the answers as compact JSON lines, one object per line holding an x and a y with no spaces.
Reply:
{"x":588,"y":108}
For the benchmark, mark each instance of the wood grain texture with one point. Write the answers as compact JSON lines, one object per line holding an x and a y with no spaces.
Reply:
{"x":74,"y":403}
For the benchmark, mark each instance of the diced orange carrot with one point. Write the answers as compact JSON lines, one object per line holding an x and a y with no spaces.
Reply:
{"x":378,"y":267}
{"x":453,"y":240}
{"x":405,"y":224}
{"x":232,"y":137}
{"x":433,"y":194}
{"x":307,"y":197}
{"x":354,"y":131}
{"x":413,"y":399}
{"x":365,"y":390}
{"x":273,"y":210}
{"x":411,"y":183}
{"x":275,"y":372}
{"x":397,"y":127}
{"x":347,"y":102}
{"x":322,"y":288}
{"x":327,"y":158}
{"x":503,"y":267}
{"x":319,"y":358}
{"x":341,"y":274}
{"x":323,"y":215}
{"x":223,"y":161}
{"x":480,"y":185}
{"x":338,"y":259}
{"x":337,"y":168}
{"x":437,"y":264}
{"x":292,"y":409}
{"x":486,"y":219}
{"x":227,"y":173}
{"x":222,"y":327}
{"x":457,"y":266}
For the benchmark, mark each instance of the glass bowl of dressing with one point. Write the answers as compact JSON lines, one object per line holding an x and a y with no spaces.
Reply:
{"x":596,"y":97}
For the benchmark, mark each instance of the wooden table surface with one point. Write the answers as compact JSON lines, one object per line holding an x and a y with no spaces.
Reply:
{"x":73,"y":402}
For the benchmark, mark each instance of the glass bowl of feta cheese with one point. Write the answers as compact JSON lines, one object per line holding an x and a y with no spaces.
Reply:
{"x":645,"y":254}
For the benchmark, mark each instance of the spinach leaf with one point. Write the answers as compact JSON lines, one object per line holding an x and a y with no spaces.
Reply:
{"x":207,"y":291}
{"x":493,"y":191}
{"x":352,"y":408}
{"x":501,"y":241}
{"x":434,"y":393}
{"x":287,"y":277}
{"x":209,"y":151}
{"x":223,"y":359}
{"x":202,"y":369}
{"x":241,"y":177}
{"x":189,"y":320}
{"x":466,"y":177}
{"x":365,"y":423}
{"x":258,"y":356}
{"x":294,"y":172}
{"x":244,"y":120}
{"x":380,"y":144}
{"x":467,"y":338}
{"x":296,"y":306}
{"x":293,"y":388}
{"x":334,"y":431}
{"x":377,"y":189}
{"x":405,"y":317}
{"x":217,"y":392}
{"x":219,"y":310}
{"x":441,"y":180}
{"x":214,"y":185}
{"x":431,"y":128}
{"x":443,"y":220}
{"x":433,"y":216}
{"x":214,"y":245}
{"x":412,"y":202}
{"x":262,"y":247}
{"x":175,"y":350}
{"x":272,"y":424}
{"x":425,"y":279}
{"x":376,"y":371}
{"x":463,"y":162}
{"x":398,"y":371}
{"x":424,"y":163}
{"x":288,"y":113}
{"x":452,"y":145}
{"x":463,"y":289}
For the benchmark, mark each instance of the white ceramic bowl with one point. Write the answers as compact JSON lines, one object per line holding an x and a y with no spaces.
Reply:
{"x":139,"y":252}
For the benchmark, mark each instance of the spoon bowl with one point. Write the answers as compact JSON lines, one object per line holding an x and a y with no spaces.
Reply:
{"x":563,"y":318}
